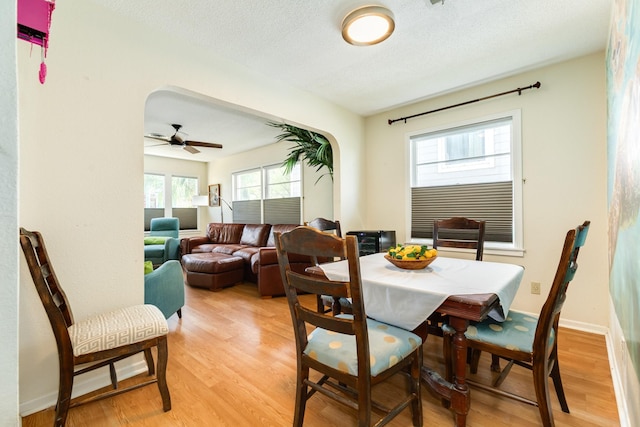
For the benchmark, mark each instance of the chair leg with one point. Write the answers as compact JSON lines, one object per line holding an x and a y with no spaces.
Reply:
{"x":364,"y":404}
{"x":163,"y":356}
{"x":64,"y":395}
{"x":503,"y":374}
{"x":475,"y":360}
{"x":113,"y":375}
{"x":151,"y":368}
{"x":416,"y":404}
{"x":301,"y":396}
{"x":179,"y":313}
{"x":495,"y":363}
{"x":557,"y":382}
{"x":448,"y":364}
{"x":541,"y":385}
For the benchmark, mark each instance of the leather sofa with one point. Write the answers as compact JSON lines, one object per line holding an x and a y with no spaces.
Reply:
{"x":254,"y":243}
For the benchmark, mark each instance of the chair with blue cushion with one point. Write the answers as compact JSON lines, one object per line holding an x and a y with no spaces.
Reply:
{"x":164,"y":288}
{"x":526,"y":340}
{"x":163,"y":241}
{"x":351,"y":352}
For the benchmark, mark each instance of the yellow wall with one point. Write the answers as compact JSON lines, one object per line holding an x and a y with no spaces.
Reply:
{"x":564,"y":164}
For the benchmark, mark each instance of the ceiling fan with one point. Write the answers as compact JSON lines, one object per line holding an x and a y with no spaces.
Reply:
{"x":176,"y":139}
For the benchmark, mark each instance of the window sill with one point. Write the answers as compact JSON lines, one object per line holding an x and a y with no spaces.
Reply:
{"x":490,"y":248}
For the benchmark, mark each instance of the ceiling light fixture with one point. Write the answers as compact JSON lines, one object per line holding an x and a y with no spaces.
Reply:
{"x":368,"y":25}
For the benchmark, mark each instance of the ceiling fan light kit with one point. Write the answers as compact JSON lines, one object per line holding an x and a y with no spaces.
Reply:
{"x":367,"y":25}
{"x":177,"y":140}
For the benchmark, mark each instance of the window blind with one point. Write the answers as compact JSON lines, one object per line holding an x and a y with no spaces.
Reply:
{"x":282,"y":211}
{"x":491,"y":202}
{"x":247,"y":212}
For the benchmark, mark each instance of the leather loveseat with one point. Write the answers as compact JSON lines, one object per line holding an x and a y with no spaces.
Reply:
{"x":214,"y":255}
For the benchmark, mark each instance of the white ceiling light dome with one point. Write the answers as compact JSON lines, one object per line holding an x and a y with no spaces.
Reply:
{"x":368,"y":25}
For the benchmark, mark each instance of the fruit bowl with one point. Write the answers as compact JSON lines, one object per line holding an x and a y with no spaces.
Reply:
{"x":410,"y":264}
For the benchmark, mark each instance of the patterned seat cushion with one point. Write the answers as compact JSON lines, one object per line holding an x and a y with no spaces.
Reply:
{"x":388,"y":345}
{"x":515,"y":333}
{"x":117,"y":328}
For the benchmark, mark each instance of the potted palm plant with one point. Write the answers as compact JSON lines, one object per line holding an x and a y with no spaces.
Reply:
{"x":310,"y":147}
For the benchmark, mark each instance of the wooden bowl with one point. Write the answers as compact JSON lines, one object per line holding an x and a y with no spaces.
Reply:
{"x":408,"y":264}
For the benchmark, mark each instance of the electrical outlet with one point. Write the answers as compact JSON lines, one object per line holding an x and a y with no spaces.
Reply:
{"x":535,"y":288}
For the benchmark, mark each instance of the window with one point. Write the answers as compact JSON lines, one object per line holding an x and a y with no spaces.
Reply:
{"x":267,"y":195}
{"x":182,"y":191}
{"x":177,"y":203}
{"x":471,"y":170}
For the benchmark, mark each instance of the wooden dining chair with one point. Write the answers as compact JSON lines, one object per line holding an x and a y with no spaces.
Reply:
{"x":98,"y":341}
{"x":461,"y":233}
{"x":528,"y":341}
{"x":325,"y":302}
{"x":350,"y":351}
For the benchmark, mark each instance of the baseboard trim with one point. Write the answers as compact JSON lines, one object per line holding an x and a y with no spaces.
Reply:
{"x":81,"y":386}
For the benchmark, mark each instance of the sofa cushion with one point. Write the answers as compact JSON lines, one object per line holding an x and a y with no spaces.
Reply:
{"x":227,"y":249}
{"x":283,"y":228}
{"x":148,"y":267}
{"x":247,"y":254}
{"x":255,"y":234}
{"x":155,"y":240}
{"x":224,"y":233}
{"x":211,"y":263}
{"x":154,"y":251}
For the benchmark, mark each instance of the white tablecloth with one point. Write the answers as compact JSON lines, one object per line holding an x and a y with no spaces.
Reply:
{"x":405,"y":298}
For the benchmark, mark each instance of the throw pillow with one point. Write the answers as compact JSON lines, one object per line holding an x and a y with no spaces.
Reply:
{"x":155,"y":240}
{"x":148,"y":267}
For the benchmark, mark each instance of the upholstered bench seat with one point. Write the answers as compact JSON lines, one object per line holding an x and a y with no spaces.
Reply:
{"x":213,"y":270}
{"x":117,"y":328}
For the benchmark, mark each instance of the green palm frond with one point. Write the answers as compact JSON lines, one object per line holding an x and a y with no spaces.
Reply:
{"x":310,"y":147}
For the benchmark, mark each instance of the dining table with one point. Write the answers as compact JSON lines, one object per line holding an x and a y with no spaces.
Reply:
{"x":461,"y":289}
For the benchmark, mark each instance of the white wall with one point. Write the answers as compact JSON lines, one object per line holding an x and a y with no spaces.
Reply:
{"x":564,"y":164}
{"x":9,"y":216}
{"x":82,"y":162}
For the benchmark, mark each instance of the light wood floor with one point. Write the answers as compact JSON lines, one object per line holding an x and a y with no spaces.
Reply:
{"x":232,"y":363}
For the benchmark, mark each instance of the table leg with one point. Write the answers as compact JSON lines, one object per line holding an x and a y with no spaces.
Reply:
{"x":456,"y":393}
{"x":461,"y":401}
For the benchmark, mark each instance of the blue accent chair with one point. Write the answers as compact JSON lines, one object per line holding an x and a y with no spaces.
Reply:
{"x":159,"y":252}
{"x":164,"y":288}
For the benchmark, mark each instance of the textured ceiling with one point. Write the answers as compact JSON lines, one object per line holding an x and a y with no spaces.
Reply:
{"x":435,"y":49}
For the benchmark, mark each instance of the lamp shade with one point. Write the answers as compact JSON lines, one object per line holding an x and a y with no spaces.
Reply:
{"x":200,"y":200}
{"x":368,"y":25}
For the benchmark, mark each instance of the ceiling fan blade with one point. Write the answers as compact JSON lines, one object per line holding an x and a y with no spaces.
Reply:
{"x":156,"y":145}
{"x":203,"y":144}
{"x":157,"y":137}
{"x":191,"y":149}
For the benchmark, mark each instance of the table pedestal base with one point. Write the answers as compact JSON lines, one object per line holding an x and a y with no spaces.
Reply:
{"x":455,"y":395}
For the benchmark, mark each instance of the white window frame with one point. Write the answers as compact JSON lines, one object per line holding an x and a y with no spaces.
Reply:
{"x":168,"y":196}
{"x":263,"y":190}
{"x":516,"y":248}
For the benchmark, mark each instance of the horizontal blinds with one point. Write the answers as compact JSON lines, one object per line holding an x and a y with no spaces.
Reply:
{"x":188,"y":217}
{"x":491,"y":202}
{"x":150,"y":213}
{"x":282,"y":211}
{"x":246,"y":212}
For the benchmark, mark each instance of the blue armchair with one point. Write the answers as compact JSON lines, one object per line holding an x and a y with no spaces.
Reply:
{"x":164,"y":288}
{"x":163,"y":242}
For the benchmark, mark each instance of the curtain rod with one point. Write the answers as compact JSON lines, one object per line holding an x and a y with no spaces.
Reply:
{"x":519,"y":90}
